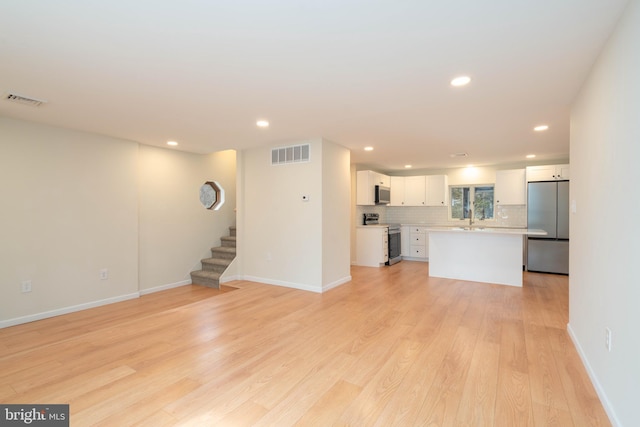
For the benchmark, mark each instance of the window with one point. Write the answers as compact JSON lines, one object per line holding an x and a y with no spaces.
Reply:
{"x":212,"y":195}
{"x":478,"y":199}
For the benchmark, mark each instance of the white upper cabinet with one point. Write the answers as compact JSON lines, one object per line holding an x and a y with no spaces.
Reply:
{"x":415,"y":191}
{"x":408,"y":191}
{"x":510,"y":187}
{"x":562,"y":172}
{"x":419,"y":190}
{"x":376,"y":178}
{"x":365,"y":186}
{"x":397,"y":191}
{"x":437,"y":190}
{"x":547,"y":173}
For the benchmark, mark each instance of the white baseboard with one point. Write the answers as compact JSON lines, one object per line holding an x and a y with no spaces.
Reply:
{"x":300,"y":286}
{"x":92,"y":304}
{"x":65,"y":310}
{"x":336,"y":283}
{"x":165,"y":287}
{"x":594,"y":380}
{"x":229,"y":279}
{"x":409,"y":258}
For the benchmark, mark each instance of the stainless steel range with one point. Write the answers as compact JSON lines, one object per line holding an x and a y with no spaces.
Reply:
{"x":394,"y":241}
{"x":394,"y":244}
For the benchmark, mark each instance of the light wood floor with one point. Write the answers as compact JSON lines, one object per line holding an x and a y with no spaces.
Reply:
{"x":391,"y":348}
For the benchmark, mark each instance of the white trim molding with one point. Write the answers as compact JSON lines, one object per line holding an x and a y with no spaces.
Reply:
{"x":165,"y":287}
{"x":594,"y":380}
{"x":66,"y":310}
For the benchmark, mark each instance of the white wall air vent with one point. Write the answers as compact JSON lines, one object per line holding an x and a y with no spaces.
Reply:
{"x":21,"y":99}
{"x":291,"y":154}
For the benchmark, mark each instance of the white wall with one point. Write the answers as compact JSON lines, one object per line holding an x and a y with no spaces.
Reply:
{"x":74,"y":203}
{"x":69,"y":209}
{"x":176,"y":231}
{"x":336,"y":214}
{"x":604,"y":286}
{"x":471,"y":176}
{"x":281,"y":236}
{"x":356,"y":213}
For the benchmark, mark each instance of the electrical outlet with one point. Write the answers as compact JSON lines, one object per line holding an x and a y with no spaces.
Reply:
{"x":26,"y":286}
{"x":607,"y":338}
{"x":104,"y":274}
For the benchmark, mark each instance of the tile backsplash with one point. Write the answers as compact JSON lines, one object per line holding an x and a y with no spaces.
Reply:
{"x":506,"y":216}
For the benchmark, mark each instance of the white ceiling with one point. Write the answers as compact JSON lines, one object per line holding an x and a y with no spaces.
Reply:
{"x":355,"y":72}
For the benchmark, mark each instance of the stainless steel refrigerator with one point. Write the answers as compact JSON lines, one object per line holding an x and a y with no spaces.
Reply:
{"x":548,"y":209}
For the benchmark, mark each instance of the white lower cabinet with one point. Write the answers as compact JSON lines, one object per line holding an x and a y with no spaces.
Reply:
{"x":415,"y":243}
{"x":372,"y":246}
{"x":405,"y":241}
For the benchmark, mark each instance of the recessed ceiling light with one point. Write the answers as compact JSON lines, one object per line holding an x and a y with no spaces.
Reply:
{"x":460,"y":81}
{"x":541,"y":128}
{"x":172,"y":143}
{"x":531,"y":156}
{"x":368,"y":148}
{"x":262,"y":124}
{"x":408,"y":166}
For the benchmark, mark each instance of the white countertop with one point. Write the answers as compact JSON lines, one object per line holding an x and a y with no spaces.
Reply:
{"x":490,"y":230}
{"x":462,"y":224}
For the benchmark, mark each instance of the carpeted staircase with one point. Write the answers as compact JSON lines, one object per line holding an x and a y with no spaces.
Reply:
{"x":213,"y":267}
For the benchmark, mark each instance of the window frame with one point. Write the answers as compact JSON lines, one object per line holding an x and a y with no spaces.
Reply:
{"x":472,"y":197}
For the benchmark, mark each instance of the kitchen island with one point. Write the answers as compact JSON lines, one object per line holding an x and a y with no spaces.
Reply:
{"x":478,"y":254}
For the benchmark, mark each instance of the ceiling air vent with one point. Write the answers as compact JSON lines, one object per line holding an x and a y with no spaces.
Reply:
{"x":291,"y":154}
{"x":21,"y":99}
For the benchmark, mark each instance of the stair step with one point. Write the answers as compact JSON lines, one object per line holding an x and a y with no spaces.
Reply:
{"x":210,"y":279}
{"x":223,"y":252}
{"x":215,"y":264}
{"x":228,"y":241}
{"x":214,"y":267}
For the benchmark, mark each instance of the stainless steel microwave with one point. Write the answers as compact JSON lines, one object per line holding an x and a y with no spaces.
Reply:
{"x":382,"y":195}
